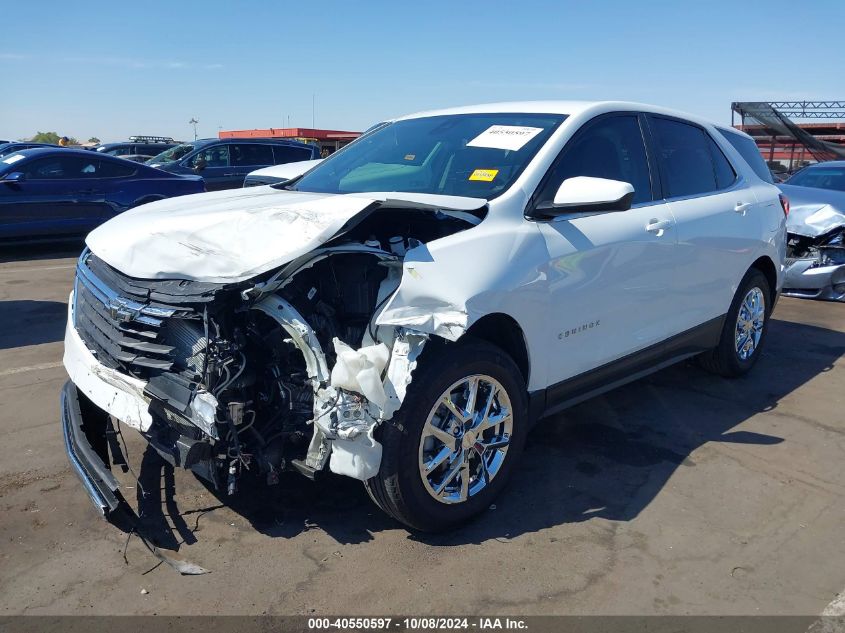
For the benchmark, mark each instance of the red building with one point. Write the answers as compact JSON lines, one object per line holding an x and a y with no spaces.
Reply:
{"x":328,"y":140}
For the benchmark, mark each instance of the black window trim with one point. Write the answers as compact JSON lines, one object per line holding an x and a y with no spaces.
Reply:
{"x":739,"y":179}
{"x":645,"y":133}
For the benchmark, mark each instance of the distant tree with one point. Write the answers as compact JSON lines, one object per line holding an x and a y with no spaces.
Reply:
{"x":46,"y":137}
{"x":52,"y":138}
{"x":94,"y":139}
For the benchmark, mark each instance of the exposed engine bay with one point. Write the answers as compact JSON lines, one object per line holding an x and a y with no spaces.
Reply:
{"x":825,"y":250}
{"x":287,"y":371}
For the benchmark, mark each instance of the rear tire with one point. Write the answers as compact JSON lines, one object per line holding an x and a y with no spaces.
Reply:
{"x":428,"y":446}
{"x":745,"y":328}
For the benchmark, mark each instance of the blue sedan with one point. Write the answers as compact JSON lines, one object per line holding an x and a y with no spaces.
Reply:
{"x":56,"y":193}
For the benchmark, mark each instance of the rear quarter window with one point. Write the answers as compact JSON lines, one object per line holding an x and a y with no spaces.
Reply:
{"x":747,"y":148}
{"x":109,"y":169}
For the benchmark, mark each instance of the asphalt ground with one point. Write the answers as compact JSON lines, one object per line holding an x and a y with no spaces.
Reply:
{"x":681,"y":493}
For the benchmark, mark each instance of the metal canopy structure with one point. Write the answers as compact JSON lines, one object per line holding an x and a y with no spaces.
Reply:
{"x":771,"y":120}
{"x":810,"y":109}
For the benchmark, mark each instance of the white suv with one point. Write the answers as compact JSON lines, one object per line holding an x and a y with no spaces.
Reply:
{"x":403,"y":312}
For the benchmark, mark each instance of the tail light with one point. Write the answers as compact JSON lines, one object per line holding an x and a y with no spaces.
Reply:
{"x":784,"y":204}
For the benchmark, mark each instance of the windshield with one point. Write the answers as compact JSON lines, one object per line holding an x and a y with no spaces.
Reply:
{"x":174,"y":153}
{"x":7,"y":162}
{"x":820,"y":177}
{"x":474,"y":155}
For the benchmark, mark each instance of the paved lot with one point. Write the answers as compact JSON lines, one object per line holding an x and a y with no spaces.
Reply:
{"x":680,"y":493}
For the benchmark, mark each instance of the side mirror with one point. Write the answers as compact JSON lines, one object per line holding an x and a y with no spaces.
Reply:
{"x":15,"y":176}
{"x":200,"y":165}
{"x":585,"y":194}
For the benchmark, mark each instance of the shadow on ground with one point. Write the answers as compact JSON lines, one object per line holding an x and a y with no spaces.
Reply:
{"x":29,"y":322}
{"x":608,"y":457}
{"x":22,"y":252}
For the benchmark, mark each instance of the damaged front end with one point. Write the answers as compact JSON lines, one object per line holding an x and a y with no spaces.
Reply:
{"x":815,"y":265}
{"x":289,"y":370}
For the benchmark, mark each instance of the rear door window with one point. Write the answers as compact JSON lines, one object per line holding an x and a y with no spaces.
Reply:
{"x":289,"y":154}
{"x":251,"y":154}
{"x":690,"y":161}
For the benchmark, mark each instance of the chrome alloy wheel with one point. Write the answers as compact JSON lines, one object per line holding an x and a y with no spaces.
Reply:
{"x":465,"y":439}
{"x":749,"y":323}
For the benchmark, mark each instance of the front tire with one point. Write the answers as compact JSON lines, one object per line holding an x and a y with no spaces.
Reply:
{"x":745,"y":328}
{"x":451,"y":447}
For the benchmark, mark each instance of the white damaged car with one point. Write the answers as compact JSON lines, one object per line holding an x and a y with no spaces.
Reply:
{"x":404,"y":311}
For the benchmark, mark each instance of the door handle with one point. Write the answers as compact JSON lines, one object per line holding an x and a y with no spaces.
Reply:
{"x":658,"y":227}
{"x":231,"y":174}
{"x":742,"y":207}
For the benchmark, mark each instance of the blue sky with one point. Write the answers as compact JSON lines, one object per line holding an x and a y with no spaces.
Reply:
{"x":111,"y":69}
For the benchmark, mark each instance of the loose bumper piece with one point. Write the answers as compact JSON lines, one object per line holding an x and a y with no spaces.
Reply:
{"x":806,"y":280}
{"x":97,"y":479}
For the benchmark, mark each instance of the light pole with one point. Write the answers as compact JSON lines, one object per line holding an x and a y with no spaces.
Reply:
{"x":194,"y":122}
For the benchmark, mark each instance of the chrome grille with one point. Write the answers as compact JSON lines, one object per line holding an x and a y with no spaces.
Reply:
{"x":122,"y":333}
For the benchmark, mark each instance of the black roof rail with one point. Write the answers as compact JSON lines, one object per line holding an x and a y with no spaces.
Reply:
{"x":151,"y":139}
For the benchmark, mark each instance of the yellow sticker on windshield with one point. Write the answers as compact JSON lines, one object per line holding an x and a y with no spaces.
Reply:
{"x":484,"y":175}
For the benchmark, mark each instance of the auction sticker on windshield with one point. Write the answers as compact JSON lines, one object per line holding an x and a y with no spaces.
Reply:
{"x":13,"y":159}
{"x":512,"y":137}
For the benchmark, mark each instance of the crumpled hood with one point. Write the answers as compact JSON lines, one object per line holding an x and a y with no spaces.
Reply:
{"x":230,"y":236}
{"x":814,"y":212}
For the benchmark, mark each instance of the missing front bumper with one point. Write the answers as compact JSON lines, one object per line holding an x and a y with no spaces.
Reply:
{"x":86,"y":461}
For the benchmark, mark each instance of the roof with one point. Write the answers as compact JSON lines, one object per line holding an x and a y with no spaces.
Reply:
{"x":30,"y":143}
{"x":117,"y":143}
{"x":37,"y":151}
{"x":569,"y":108}
{"x":34,"y":151}
{"x":240,"y":139}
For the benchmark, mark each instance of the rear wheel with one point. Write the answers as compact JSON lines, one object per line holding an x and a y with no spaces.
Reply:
{"x":745,"y":328}
{"x":450,"y":448}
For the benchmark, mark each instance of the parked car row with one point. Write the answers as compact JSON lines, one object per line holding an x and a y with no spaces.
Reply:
{"x":51,"y":192}
{"x":145,"y":146}
{"x":224,"y":163}
{"x":55,"y":193}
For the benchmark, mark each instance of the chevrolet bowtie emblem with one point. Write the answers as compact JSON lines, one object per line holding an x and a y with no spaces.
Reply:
{"x":120,"y":312}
